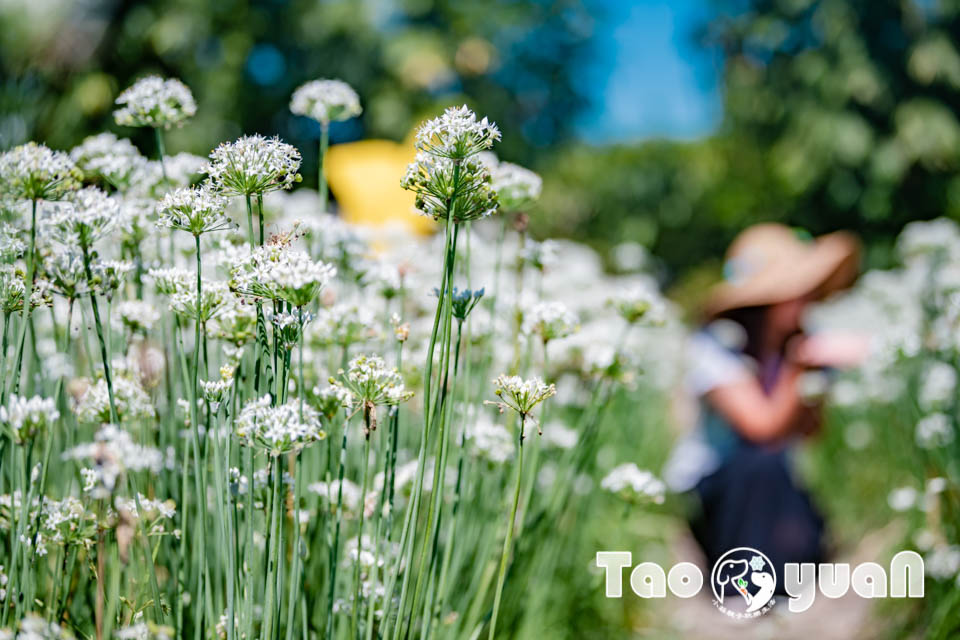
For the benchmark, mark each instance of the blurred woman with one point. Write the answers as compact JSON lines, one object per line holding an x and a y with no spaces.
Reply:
{"x":746,"y":366}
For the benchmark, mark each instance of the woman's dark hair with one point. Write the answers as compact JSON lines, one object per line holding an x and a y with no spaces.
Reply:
{"x":753,"y":321}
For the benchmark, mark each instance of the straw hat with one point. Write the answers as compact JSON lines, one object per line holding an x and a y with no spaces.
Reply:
{"x":770,"y":263}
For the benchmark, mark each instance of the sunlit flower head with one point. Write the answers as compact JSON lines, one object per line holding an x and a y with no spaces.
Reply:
{"x":197,"y":210}
{"x":325,"y":101}
{"x":109,"y":275}
{"x":11,"y":246}
{"x":155,"y":102}
{"x":521,"y":395}
{"x":252,"y":165}
{"x":457,"y":134}
{"x":34,"y":627}
{"x":31,"y":171}
{"x":443,"y":186}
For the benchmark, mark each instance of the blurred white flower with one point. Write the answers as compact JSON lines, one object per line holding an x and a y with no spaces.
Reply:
{"x":325,"y":101}
{"x":155,"y":102}
{"x":632,"y":482}
{"x":902,"y":498}
{"x":23,"y":419}
{"x":934,"y":430}
{"x":31,"y":171}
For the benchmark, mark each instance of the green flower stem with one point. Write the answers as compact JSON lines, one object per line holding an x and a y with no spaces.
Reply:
{"x":203,"y":574}
{"x":334,"y":547}
{"x":440,"y":472}
{"x":355,"y":609}
{"x":442,"y":312}
{"x":260,"y":216}
{"x":437,"y":607}
{"x":221,"y":463}
{"x":103,"y":345}
{"x":296,"y":569}
{"x":27,"y":294}
{"x":275,"y":551}
{"x":508,"y":540}
{"x":293,"y":585}
{"x":250,"y":237}
{"x":161,"y":150}
{"x":250,"y":551}
{"x":4,"y":345}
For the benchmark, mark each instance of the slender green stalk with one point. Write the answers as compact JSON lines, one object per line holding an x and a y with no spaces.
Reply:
{"x":27,"y":294}
{"x":161,"y":150}
{"x":275,"y":551}
{"x":355,"y":610}
{"x":508,"y":540}
{"x":334,"y":547}
{"x":103,"y":345}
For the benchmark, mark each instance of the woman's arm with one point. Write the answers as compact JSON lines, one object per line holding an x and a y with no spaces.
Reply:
{"x":761,"y":417}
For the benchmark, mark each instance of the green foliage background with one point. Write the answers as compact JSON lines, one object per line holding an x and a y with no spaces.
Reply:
{"x":838,"y":113}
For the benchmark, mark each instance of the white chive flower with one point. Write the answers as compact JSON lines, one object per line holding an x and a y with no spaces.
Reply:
{"x":521,"y":395}
{"x":550,"y":321}
{"x":372,"y":382}
{"x":277,"y":272}
{"x":171,"y":280}
{"x":326,"y":101}
{"x":106,"y":156}
{"x":641,"y":302}
{"x":32,"y":171}
{"x":516,"y":186}
{"x":457,"y":134}
{"x":132,"y":402}
{"x":25,"y":418}
{"x":441,"y":184}
{"x":277,"y":430}
{"x":155,"y":102}
{"x":635,"y":484}
{"x":214,"y":297}
{"x":197,"y":210}
{"x":87,"y":216}
{"x":253,"y":165}
{"x":113,"y":452}
{"x":137,"y":315}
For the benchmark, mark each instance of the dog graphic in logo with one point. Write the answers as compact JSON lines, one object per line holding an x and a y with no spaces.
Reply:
{"x":749,"y":573}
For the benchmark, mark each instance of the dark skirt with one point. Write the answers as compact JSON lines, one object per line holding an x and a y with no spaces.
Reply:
{"x":753,"y":501}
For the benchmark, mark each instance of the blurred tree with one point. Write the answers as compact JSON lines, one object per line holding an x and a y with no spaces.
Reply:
{"x":853,"y":103}
{"x":838,"y":114}
{"x":62,"y":62}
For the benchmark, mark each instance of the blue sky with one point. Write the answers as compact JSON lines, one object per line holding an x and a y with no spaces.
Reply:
{"x":649,"y":78}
